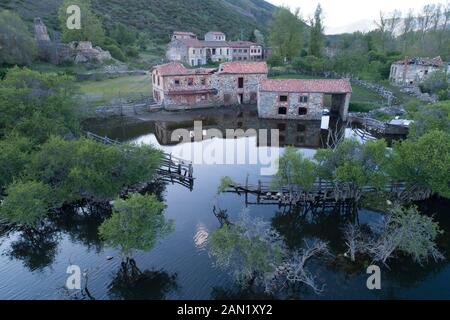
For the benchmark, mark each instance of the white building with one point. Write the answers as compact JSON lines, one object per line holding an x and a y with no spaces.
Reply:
{"x":415,"y":70}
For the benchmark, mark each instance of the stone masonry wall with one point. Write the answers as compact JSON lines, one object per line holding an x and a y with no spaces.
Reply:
{"x":269,"y":104}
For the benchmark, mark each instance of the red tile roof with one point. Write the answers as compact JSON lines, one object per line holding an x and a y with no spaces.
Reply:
{"x":436,"y":62}
{"x":240,"y":67}
{"x":178,"y":69}
{"x":294,"y":85}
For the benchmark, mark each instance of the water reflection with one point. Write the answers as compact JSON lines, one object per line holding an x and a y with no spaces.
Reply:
{"x":36,"y":247}
{"x":301,"y":134}
{"x":201,"y":237}
{"x":130,"y":283}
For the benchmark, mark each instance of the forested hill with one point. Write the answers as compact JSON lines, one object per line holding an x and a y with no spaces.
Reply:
{"x":158,"y":18}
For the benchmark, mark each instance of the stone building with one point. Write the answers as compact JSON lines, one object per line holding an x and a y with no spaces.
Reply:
{"x":214,"y":48}
{"x":303,"y":99}
{"x":181,"y":35}
{"x":411,"y":72}
{"x":215,"y":36}
{"x":175,"y":86}
{"x":238,"y":81}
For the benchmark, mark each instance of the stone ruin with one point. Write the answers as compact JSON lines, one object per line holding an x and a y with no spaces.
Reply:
{"x":75,"y":51}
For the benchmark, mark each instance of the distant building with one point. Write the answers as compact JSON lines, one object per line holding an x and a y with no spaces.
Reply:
{"x":414,"y":70}
{"x":303,"y":99}
{"x":214,"y":48}
{"x":232,"y":83}
{"x":215,"y":36}
{"x":181,"y":35}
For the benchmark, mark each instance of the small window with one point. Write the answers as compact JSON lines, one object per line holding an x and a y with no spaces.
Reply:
{"x":240,"y":83}
{"x":283,"y":98}
{"x":302,"y":111}
{"x":426,"y":72}
{"x":190,"y":81}
{"x":203,"y":81}
{"x":304,"y":99}
{"x":282,"y":110}
{"x":177,"y":82}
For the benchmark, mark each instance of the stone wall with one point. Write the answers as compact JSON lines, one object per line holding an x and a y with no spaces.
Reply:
{"x":269,"y":104}
{"x":410,"y":74}
{"x":176,"y":51}
{"x":228,"y":89}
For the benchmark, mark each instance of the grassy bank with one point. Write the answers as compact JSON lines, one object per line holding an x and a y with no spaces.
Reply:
{"x":127,"y":87}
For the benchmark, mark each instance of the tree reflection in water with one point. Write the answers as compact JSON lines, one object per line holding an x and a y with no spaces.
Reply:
{"x":130,"y":283}
{"x":36,"y":247}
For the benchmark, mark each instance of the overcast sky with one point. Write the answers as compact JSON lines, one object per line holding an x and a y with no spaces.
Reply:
{"x":351,"y":14}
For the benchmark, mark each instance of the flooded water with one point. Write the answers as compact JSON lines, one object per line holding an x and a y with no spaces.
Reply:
{"x":33,"y":264}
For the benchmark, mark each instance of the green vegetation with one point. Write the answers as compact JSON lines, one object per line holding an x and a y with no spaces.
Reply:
{"x":42,"y":152}
{"x":137,"y":223}
{"x":37,"y":105}
{"x":17,"y":45}
{"x":436,"y":83}
{"x":286,"y":34}
{"x":295,"y":170}
{"x":98,"y":92}
{"x":27,"y":202}
{"x":316,"y":37}
{"x":424,"y":162}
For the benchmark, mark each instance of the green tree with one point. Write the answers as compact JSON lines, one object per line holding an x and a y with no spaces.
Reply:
{"x":316,"y":34}
{"x":137,"y":223}
{"x":428,"y":118}
{"x":286,"y":33}
{"x":424,"y":162}
{"x":435,"y":82}
{"x":85,"y":169}
{"x":14,"y":156}
{"x":124,"y":36}
{"x":295,"y":170}
{"x":355,"y":164}
{"x":26,"y":203}
{"x":37,"y":105}
{"x":91,"y":25}
{"x":17,"y":45}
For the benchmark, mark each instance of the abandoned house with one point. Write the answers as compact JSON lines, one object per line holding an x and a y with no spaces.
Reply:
{"x":214,"y":48}
{"x":413,"y":71}
{"x":179,"y":35}
{"x":303,"y":99}
{"x":176,"y":86}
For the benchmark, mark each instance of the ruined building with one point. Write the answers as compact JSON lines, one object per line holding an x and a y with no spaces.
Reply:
{"x":232,"y":83}
{"x":186,"y":48}
{"x":412,"y":71}
{"x":303,"y":99}
{"x":57,"y":52}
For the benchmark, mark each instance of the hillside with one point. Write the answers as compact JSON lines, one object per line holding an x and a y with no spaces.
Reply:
{"x":159,"y":18}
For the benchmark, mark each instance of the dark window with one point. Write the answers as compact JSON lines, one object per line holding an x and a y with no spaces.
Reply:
{"x":240,"y":83}
{"x":203,"y":81}
{"x":303,"y":99}
{"x":301,"y":128}
{"x":283,"y":98}
{"x":282,"y":110}
{"x":177,"y":82}
{"x":253,"y":97}
{"x":190,"y":81}
{"x":302,"y":111}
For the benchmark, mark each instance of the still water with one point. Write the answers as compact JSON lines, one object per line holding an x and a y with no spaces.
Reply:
{"x":33,"y":264}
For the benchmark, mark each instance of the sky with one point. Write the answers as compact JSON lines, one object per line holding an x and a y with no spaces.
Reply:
{"x":352,"y":15}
